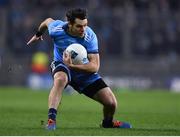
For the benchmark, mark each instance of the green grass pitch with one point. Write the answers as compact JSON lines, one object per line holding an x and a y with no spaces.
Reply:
{"x":151,"y":113}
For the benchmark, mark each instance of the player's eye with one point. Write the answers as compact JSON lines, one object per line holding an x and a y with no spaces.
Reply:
{"x":79,"y":26}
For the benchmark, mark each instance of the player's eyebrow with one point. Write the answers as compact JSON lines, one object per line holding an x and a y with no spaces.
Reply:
{"x":82,"y":24}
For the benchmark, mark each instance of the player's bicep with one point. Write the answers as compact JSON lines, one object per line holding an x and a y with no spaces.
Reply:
{"x":92,"y":48}
{"x":55,"y":27}
{"x":94,"y":59}
{"x":48,"y":21}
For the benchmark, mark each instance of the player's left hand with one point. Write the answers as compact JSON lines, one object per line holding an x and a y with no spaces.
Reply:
{"x":67,"y":58}
{"x":33,"y":39}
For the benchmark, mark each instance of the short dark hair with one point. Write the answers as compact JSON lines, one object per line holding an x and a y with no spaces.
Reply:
{"x":76,"y":13}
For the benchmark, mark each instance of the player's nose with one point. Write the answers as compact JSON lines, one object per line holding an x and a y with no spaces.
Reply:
{"x":82,"y":29}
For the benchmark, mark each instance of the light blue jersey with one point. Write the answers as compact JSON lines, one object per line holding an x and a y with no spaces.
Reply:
{"x":57,"y":31}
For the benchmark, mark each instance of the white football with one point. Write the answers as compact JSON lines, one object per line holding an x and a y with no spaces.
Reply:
{"x":78,"y":53}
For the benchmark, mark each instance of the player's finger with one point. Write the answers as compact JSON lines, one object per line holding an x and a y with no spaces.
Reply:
{"x":30,"y":41}
{"x":41,"y":38}
{"x":66,"y":54}
{"x":70,"y":59}
{"x":69,"y":55}
{"x":34,"y":38}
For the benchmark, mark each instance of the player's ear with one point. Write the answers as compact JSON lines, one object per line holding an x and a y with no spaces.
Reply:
{"x":69,"y":24}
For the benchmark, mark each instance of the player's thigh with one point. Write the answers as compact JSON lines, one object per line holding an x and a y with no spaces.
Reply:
{"x":105,"y":96}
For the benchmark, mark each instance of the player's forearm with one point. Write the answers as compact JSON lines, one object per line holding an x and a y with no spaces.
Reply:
{"x":89,"y":67}
{"x":42,"y":28}
{"x":44,"y":25}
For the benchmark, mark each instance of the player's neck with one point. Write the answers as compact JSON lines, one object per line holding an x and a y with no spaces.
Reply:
{"x":69,"y":31}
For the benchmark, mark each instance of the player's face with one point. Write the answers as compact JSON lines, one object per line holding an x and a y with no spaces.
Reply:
{"x":78,"y":27}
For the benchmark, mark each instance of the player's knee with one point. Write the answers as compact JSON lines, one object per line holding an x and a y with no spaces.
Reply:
{"x":60,"y":80}
{"x":112,"y":104}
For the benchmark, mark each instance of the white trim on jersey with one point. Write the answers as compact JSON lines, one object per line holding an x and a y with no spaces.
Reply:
{"x":57,"y":28}
{"x":87,"y":37}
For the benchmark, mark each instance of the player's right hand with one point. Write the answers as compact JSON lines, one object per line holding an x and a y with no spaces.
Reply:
{"x":67,"y":58}
{"x":33,"y":39}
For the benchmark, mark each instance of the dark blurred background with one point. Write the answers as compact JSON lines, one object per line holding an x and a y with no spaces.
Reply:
{"x":139,"y":41}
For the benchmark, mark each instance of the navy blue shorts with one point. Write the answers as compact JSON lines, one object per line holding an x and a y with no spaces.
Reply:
{"x":83,"y":82}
